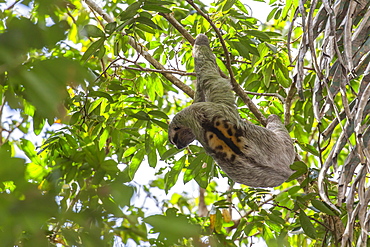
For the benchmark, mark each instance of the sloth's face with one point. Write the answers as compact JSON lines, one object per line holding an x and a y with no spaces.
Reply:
{"x":180,"y":136}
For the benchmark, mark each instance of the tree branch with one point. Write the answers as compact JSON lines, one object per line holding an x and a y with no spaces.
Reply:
{"x":141,"y":50}
{"x":281,"y":98}
{"x":179,"y":27}
{"x":178,"y":72}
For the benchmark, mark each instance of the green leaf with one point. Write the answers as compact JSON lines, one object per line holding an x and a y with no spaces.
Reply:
{"x":103,"y":138}
{"x":306,"y":225}
{"x":299,"y":166}
{"x":267,"y":75}
{"x":74,"y":118}
{"x":135,"y":162}
{"x":160,"y":124}
{"x":109,"y":166}
{"x":131,"y":11}
{"x":280,"y":78}
{"x":309,"y":148}
{"x":263,"y":50}
{"x":94,"y":105}
{"x":282,"y":73}
{"x":219,"y":221}
{"x":36,"y":172}
{"x":146,"y":21}
{"x":172,"y":176}
{"x":152,"y":158}
{"x":242,"y":7}
{"x":170,"y":153}
{"x":194,"y":167}
{"x":38,"y":123}
{"x":277,"y":219}
{"x":241,"y":48}
{"x":111,"y":27}
{"x":119,"y":29}
{"x":29,"y":149}
{"x":258,"y":34}
{"x":300,"y":169}
{"x":13,"y":169}
{"x":321,"y":206}
{"x":93,"y":31}
{"x":121,"y":193}
{"x":158,"y":114}
{"x":45,"y":83}
{"x":141,"y":116}
{"x":156,"y":8}
{"x":101,"y":94}
{"x":228,"y":5}
{"x":92,"y":49}
{"x":129,"y":152}
{"x":272,"y":14}
{"x":172,"y":227}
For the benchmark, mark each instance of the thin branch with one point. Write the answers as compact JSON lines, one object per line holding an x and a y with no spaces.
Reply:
{"x":12,"y":5}
{"x":178,"y":27}
{"x":281,"y":98}
{"x":110,"y":65}
{"x":178,"y":72}
{"x":141,"y":50}
{"x":10,"y":131}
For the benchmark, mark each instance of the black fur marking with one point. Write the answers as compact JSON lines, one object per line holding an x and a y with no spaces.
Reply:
{"x":228,"y":141}
{"x":232,"y":158}
{"x":226,"y":125}
{"x":238,"y":133}
{"x":210,"y":136}
{"x":220,"y":147}
{"x":230,"y":132}
{"x":238,"y":140}
{"x":221,"y":155}
{"x":217,"y":123}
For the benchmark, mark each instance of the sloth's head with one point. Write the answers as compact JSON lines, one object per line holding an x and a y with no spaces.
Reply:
{"x":180,"y":135}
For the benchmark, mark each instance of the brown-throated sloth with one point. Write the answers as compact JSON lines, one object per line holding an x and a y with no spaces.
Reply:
{"x":249,"y":154}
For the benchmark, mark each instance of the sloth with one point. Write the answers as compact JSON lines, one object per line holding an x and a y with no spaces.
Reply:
{"x":247,"y":153}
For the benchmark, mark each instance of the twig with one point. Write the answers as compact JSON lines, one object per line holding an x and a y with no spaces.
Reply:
{"x":12,"y":5}
{"x":110,"y":65}
{"x":10,"y":131}
{"x":178,"y":72}
{"x":178,"y":27}
{"x":140,"y":68}
{"x":281,"y":98}
{"x":140,"y":49}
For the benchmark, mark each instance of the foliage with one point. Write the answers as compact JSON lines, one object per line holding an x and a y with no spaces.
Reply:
{"x":86,"y":100}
